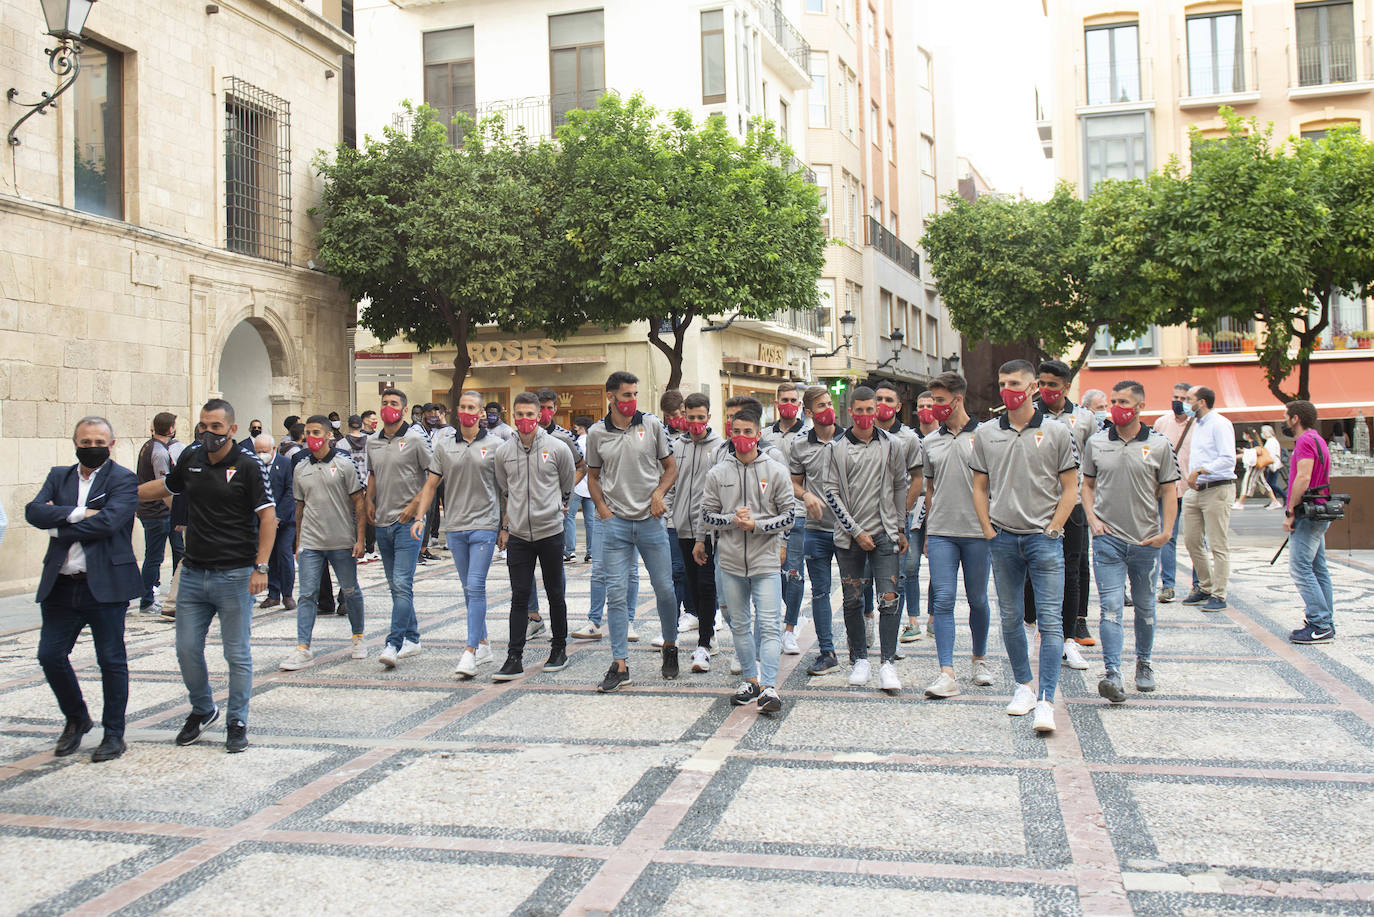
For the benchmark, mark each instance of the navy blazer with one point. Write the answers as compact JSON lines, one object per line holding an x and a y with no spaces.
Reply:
{"x":107,"y":537}
{"x":282,"y":476}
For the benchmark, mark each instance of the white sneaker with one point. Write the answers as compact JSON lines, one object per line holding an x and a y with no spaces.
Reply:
{"x":589,"y":631}
{"x":657,"y":642}
{"x":735,"y":667}
{"x":1044,"y":716}
{"x":359,"y":651}
{"x":860,"y":674}
{"x":943,"y":686}
{"x":484,"y":654}
{"x":982,"y":673}
{"x":631,"y":634}
{"x":887,"y":678}
{"x":467,"y":665}
{"x":1022,"y":701}
{"x":299,"y":659}
{"x":789,"y":644}
{"x":701,"y":659}
{"x":687,"y":622}
{"x":388,"y":657}
{"x":371,"y":558}
{"x":534,"y":628}
{"x":1072,"y":657}
{"x":409,"y":648}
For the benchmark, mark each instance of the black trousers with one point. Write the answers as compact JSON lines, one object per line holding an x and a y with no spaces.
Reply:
{"x":521,"y":556}
{"x":432,"y":522}
{"x":1076,"y":573}
{"x":67,"y":609}
{"x":281,"y":565}
{"x":699,"y":587}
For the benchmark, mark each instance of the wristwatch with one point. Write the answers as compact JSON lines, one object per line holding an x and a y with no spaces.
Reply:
{"x":1054,"y":533}
{"x":260,"y":568}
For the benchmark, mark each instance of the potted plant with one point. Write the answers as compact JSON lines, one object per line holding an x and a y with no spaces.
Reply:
{"x":1338,"y":336}
{"x":1204,"y":343}
{"x":1247,"y":343}
{"x":1364,"y":339}
{"x":1227,"y":341}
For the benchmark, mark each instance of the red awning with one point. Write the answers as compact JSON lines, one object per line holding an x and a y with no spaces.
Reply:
{"x":1339,"y":388}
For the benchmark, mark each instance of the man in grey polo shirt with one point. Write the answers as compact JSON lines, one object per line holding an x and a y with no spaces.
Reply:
{"x":1128,"y":471}
{"x":536,"y":473}
{"x":397,"y":465}
{"x":331,"y":527}
{"x":629,"y":471}
{"x":1025,"y":480}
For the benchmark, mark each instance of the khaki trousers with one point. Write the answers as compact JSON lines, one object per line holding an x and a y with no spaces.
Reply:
{"x":1207,"y":514}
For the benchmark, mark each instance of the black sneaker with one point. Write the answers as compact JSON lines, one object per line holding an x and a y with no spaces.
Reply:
{"x":747,"y":692}
{"x":196,"y":723}
{"x":769,"y":702}
{"x":237,"y":739}
{"x":587,"y":558}
{"x":511,"y":670}
{"x":1310,"y":633}
{"x":825,"y":664}
{"x":615,"y":679}
{"x":1081,"y":635}
{"x":427,"y":556}
{"x":670,"y":669}
{"x":569,"y":557}
{"x":1196,"y":597}
{"x":557,"y":661}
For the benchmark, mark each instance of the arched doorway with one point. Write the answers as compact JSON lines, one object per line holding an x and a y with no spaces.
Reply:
{"x":245,"y":377}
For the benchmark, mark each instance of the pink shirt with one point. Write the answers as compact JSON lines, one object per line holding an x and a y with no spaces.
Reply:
{"x":1171,"y":427}
{"x":1311,"y":446}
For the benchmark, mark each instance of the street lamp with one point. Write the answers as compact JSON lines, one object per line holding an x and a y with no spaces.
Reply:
{"x":897,"y":338}
{"x":847,"y":323}
{"x":952,"y":361}
{"x":66,"y":19}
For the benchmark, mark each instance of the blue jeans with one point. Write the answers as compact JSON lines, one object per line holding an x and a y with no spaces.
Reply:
{"x":1168,"y":554}
{"x":1307,"y":565}
{"x":311,"y":563}
{"x":472,"y":551}
{"x":202,"y":594}
{"x":155,"y":535}
{"x":910,"y":593}
{"x":679,"y":574}
{"x":570,"y":527}
{"x":281,"y":573}
{"x":1013,"y":557}
{"x":1115,"y":561}
{"x":947,"y":555}
{"x":600,"y":578}
{"x":400,"y":550}
{"x":793,"y":584}
{"x":757,"y":632}
{"x":587,"y":507}
{"x":619,"y":540}
{"x":820,"y":556}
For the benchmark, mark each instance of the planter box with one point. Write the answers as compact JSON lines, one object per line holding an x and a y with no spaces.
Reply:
{"x":1204,"y":348}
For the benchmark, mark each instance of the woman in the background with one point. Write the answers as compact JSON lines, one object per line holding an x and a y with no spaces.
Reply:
{"x":1255,"y":458}
{"x":1273,"y":472}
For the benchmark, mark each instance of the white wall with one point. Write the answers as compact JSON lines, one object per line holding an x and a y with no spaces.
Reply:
{"x":245,"y":377}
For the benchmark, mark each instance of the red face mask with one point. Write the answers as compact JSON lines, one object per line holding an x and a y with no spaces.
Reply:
{"x":926,"y":415}
{"x":825,"y":417}
{"x":942,"y":412}
{"x":314,"y":443}
{"x":744,"y":444}
{"x":627,"y":408}
{"x":695,"y":427}
{"x":468,"y":419}
{"x":546,"y":416}
{"x":391,"y":415}
{"x":886,"y":412}
{"x":1050,"y":395}
{"x":1122,"y":415}
{"x":1013,"y":399}
{"x":526,"y":424}
{"x":864,"y":421}
{"x":788,"y":409}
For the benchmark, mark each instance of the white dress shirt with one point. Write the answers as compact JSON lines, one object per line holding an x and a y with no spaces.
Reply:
{"x":76,"y":555}
{"x":1213,"y":450}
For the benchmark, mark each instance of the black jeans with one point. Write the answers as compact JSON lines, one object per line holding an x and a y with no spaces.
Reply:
{"x":67,"y":609}
{"x":885,"y":565}
{"x":432,"y":523}
{"x":1076,"y":572}
{"x":520,"y":558}
{"x":699,"y":587}
{"x":371,"y":546}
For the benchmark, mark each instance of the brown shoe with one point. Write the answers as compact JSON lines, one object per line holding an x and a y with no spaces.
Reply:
{"x":269,"y":603}
{"x":288,"y":603}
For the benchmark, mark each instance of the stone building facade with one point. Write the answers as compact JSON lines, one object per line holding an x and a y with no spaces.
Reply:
{"x":157,"y":241}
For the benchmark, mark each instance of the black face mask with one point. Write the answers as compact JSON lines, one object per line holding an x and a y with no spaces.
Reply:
{"x":255,"y":432}
{"x":1286,"y":430}
{"x":213,"y":442}
{"x":92,"y":456}
{"x":1178,"y":407}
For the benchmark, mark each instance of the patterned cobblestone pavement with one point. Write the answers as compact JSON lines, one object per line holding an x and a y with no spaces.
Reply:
{"x":1246,"y":783}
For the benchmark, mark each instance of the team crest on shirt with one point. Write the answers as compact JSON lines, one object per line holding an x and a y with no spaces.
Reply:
{"x":1073,"y":419}
{"x":1144,"y":451}
{"x":1039,"y":438}
{"x":763,"y":484}
{"x":544,"y":454}
{"x":229,"y":475}
{"x":401,"y":446}
{"x":333,"y":470}
{"x":483,"y":450}
{"x":640,"y":431}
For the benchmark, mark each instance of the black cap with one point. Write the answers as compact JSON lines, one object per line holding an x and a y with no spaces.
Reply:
{"x":355,"y":422}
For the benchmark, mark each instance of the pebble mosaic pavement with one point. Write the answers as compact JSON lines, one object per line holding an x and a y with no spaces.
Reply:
{"x":1245,"y":784}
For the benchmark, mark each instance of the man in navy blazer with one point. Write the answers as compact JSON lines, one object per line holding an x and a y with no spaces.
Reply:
{"x":89,"y":576}
{"x":281,"y":578}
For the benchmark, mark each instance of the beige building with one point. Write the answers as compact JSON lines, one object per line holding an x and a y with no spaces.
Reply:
{"x":1131,"y":84}
{"x":157,"y":240}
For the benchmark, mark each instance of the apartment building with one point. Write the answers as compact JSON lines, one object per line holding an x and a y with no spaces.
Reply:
{"x":155,"y":226}
{"x":1133,"y":82}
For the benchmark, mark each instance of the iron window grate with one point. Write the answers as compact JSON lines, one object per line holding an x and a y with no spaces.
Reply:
{"x":257,"y":183}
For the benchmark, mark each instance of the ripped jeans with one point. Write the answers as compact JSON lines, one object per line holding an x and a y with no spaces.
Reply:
{"x":1117,"y":564}
{"x":885,"y":564}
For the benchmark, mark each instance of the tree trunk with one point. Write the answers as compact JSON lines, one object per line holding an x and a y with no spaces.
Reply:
{"x":457,"y":322}
{"x":1083,"y":354}
{"x":672,"y":351}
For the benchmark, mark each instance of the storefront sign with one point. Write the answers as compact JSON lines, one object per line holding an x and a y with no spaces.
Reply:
{"x":772,"y":353}
{"x":511,"y":351}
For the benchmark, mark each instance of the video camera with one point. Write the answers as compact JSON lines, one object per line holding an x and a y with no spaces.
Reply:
{"x":1330,"y":511}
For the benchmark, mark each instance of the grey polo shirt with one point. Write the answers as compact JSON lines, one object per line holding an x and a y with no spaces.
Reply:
{"x":809,"y":457}
{"x":631,"y":462}
{"x":325,"y":489}
{"x":1023,"y":469}
{"x":1081,"y":424}
{"x":396,"y":467}
{"x":566,"y":437}
{"x":536,"y":482}
{"x":865,"y":484}
{"x":471,"y":498}
{"x":783,"y":440}
{"x":946,"y":467}
{"x":1128,"y":476}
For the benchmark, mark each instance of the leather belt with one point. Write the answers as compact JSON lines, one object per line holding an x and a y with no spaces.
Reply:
{"x":1206,"y":484}
{"x":73,"y":577}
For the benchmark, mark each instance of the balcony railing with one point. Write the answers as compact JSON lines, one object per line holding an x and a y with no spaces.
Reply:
{"x":807,"y":321}
{"x":776,"y":23}
{"x":894,"y":248}
{"x":1321,"y":63}
{"x":1217,"y":74}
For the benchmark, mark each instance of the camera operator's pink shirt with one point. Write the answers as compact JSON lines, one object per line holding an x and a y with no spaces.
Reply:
{"x":1311,"y":446}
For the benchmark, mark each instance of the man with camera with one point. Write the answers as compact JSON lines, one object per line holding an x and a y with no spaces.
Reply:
{"x":1310,"y":511}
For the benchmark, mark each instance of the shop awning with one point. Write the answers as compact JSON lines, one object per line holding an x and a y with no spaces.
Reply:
{"x":1339,"y":388}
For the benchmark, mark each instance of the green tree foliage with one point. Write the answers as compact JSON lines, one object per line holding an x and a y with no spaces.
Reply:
{"x":669,"y":221}
{"x":441,"y":239}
